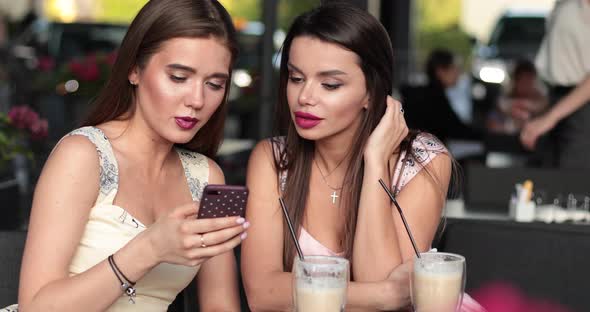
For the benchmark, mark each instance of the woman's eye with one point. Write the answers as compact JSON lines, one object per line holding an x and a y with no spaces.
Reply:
{"x":177,"y":78}
{"x":295,"y":79}
{"x":331,"y":86}
{"x":215,"y":86}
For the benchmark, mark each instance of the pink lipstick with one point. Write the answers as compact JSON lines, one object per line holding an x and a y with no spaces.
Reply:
{"x":306,"y":120}
{"x":186,"y":123}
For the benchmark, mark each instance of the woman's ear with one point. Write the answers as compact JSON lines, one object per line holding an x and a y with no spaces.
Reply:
{"x":134,"y":76}
{"x":366,"y":101}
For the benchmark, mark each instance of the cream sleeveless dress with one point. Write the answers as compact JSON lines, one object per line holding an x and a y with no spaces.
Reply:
{"x":110,"y":227}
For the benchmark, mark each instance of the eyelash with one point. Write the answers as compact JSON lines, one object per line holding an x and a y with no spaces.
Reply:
{"x":330,"y":87}
{"x":326,"y":86}
{"x":214,"y":86}
{"x":177,"y":79}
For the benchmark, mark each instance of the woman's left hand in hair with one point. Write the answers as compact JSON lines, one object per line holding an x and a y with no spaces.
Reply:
{"x":388,"y":134}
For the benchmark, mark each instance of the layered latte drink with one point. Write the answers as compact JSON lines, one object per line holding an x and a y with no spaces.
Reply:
{"x":438,"y":282}
{"x":320,"y":283}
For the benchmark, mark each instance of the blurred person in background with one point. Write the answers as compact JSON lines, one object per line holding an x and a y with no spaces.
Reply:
{"x":564,"y":63}
{"x":525,"y":99}
{"x":429,"y":108}
{"x":113,"y":225}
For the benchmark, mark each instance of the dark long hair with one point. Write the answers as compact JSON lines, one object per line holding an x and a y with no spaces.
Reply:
{"x":157,"y":22}
{"x":357,"y":31}
{"x":437,"y":59}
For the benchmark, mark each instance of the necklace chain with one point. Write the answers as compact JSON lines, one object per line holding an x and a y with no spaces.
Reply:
{"x":327,"y":175}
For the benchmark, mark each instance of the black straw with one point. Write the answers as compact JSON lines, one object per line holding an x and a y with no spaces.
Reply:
{"x":402,"y":215}
{"x":291,"y":228}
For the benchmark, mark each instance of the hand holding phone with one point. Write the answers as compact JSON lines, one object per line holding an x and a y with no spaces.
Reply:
{"x":220,"y":200}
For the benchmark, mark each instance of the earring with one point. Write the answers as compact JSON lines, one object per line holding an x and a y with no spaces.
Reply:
{"x":133,"y":83}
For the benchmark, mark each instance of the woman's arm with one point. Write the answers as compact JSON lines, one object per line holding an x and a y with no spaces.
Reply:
{"x":569,"y":104}
{"x":422,"y":201}
{"x":65,"y":193}
{"x":217,"y":280}
{"x":382,"y":242}
{"x":268,"y":286}
{"x":376,"y":252}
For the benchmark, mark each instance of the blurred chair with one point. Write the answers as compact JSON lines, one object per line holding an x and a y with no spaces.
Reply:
{"x":12,"y":244}
{"x":546,"y":261}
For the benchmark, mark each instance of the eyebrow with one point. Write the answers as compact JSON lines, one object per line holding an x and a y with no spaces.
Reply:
{"x":332,"y":72}
{"x":193,"y":71}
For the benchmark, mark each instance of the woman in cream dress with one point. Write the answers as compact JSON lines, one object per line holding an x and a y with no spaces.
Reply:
{"x":113,"y":225}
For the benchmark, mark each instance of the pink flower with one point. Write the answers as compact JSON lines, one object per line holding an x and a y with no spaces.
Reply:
{"x":22,"y":117}
{"x":86,"y":69}
{"x":40,"y":129}
{"x":503,"y":297}
{"x":46,"y":63}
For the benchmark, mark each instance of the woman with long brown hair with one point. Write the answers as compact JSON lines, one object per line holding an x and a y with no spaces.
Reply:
{"x":339,"y":133}
{"x":113,"y":225}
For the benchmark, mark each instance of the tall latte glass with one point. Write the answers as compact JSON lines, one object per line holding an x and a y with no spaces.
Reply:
{"x":438,"y":282}
{"x":319,"y":284}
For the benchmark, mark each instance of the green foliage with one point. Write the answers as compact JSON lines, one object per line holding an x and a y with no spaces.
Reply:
{"x":438,"y":27}
{"x":453,"y":39}
{"x":437,"y":14}
{"x":117,"y":11}
{"x":289,"y":9}
{"x":251,"y":10}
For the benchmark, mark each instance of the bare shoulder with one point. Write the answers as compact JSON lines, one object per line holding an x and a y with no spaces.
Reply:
{"x":72,"y":172}
{"x":216,"y":175}
{"x":72,"y":153}
{"x":263,"y":152}
{"x":261,"y":169}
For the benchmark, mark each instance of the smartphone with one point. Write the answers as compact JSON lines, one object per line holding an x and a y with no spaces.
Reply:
{"x":221,"y":200}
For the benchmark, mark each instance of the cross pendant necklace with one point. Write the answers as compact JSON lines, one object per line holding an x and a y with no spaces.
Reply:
{"x":334,"y":196}
{"x":334,"y":190}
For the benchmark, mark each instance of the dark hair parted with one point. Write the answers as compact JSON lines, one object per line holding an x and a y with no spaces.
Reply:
{"x":157,"y":22}
{"x":358,"y":31}
{"x":438,"y":59}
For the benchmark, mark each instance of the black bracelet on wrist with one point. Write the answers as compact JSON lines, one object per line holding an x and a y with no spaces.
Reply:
{"x":126,"y":284}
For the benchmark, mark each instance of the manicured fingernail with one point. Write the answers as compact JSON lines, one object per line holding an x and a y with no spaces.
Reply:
{"x":246,"y":225}
{"x":244,"y":235}
{"x":240,"y":220}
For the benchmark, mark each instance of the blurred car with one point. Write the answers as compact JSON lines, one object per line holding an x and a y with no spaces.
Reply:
{"x":66,"y":41}
{"x":517,"y":34}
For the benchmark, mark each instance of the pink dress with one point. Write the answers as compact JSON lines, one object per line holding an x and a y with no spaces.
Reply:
{"x":425,"y":148}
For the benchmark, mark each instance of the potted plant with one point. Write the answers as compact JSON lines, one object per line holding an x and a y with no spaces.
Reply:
{"x":20,"y":128}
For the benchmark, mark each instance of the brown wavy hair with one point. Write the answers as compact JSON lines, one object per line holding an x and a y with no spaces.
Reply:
{"x":157,"y":22}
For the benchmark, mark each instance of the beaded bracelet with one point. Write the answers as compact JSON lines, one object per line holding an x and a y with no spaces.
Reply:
{"x":126,"y":284}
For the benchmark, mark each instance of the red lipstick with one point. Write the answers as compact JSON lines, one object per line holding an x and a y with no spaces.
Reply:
{"x":186,"y":123}
{"x":306,"y":120}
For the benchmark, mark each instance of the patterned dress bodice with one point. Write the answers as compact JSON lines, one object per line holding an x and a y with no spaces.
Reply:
{"x":110,"y":227}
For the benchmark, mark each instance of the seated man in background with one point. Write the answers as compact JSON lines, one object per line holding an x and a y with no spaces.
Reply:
{"x":525,"y":99}
{"x":428,"y":108}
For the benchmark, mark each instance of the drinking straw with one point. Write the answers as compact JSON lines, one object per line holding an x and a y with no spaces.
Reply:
{"x":399,"y":209}
{"x":286,"y":215}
